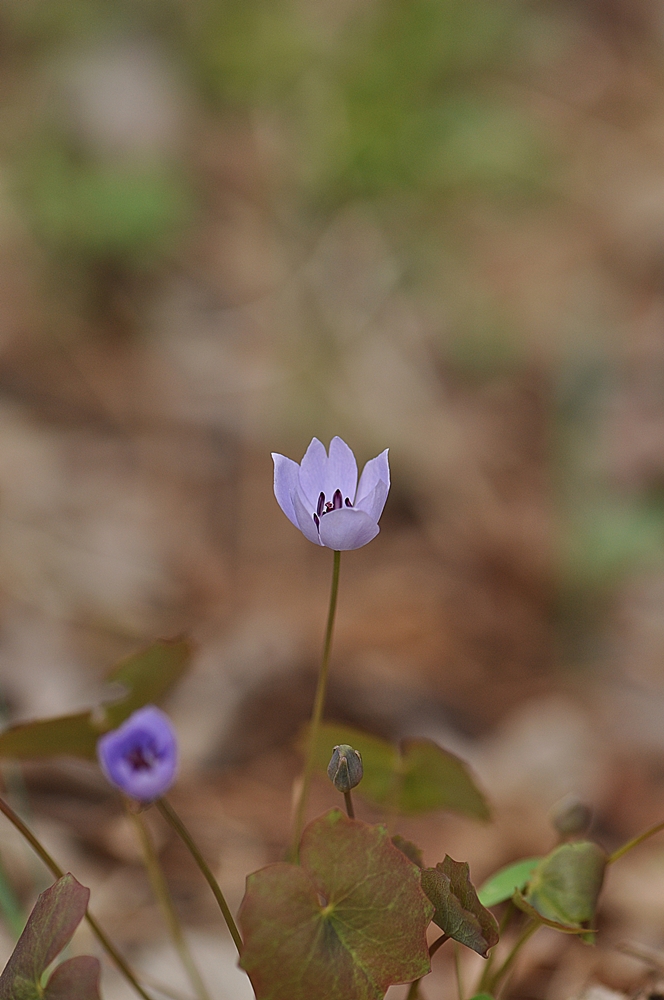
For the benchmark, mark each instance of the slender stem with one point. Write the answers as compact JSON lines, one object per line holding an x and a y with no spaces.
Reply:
{"x":527,"y":932}
{"x":169,"y":814}
{"x":349,"y":805}
{"x":166,"y":991}
{"x":437,"y":943}
{"x":635,"y":842}
{"x":414,"y":991}
{"x":165,"y":900}
{"x":56,"y":870}
{"x":486,"y":972}
{"x":317,"y":713}
{"x":457,"y":971}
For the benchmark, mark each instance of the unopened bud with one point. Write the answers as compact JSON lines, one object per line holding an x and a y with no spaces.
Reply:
{"x":571,"y":817}
{"x":345,"y":768}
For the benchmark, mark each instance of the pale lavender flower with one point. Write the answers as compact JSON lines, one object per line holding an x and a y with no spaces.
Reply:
{"x":322,"y":498}
{"x":141,"y":756}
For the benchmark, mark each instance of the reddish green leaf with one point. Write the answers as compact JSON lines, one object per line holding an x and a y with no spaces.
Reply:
{"x":459,"y":912}
{"x":146,"y":677}
{"x":75,"y":979}
{"x":419,"y":776}
{"x":501,"y":885}
{"x":54,"y":918}
{"x":347,"y":922}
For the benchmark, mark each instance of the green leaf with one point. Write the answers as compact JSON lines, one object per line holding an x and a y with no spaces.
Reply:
{"x":501,"y":886}
{"x":459,"y":912}
{"x":433,"y":778}
{"x":147,"y":677}
{"x":144,"y":677}
{"x":54,"y":918}
{"x":565,"y":885}
{"x":417,"y":777}
{"x":349,"y":921}
{"x":482,"y":996}
{"x":522,"y":903}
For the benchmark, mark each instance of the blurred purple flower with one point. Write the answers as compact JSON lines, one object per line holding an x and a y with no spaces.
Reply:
{"x":322,"y":498}
{"x":141,"y":756}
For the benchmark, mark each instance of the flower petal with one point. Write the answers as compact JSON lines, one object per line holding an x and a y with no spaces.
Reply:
{"x":373,"y":503}
{"x":341,"y":471}
{"x":286,"y":478}
{"x":375,"y":471}
{"x":347,"y":528}
{"x":312,"y":472}
{"x":305,"y":519}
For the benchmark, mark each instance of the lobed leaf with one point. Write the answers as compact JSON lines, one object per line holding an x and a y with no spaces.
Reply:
{"x":54,"y":918}
{"x":501,"y":885}
{"x":416,"y":777}
{"x":75,"y":979}
{"x":348,"y":921}
{"x":146,"y":678}
{"x":458,"y":911}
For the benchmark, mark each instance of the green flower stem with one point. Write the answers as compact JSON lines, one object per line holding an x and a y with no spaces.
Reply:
{"x":527,"y":933}
{"x":317,"y":713}
{"x":510,"y":909}
{"x":171,"y":817}
{"x":56,"y":870}
{"x":164,"y":898}
{"x":650,"y":832}
{"x":457,"y":971}
{"x":348,"y":799}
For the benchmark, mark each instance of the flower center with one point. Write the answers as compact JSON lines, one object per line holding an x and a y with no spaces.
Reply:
{"x":325,"y":506}
{"x":141,"y":758}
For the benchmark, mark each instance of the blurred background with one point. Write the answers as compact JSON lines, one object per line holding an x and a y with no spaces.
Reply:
{"x":430,"y":225}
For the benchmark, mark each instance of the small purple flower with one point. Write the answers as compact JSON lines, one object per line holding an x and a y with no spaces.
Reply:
{"x":141,"y":756}
{"x":322,"y":498}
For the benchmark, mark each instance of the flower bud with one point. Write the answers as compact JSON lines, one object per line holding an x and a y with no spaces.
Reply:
{"x":571,"y":817}
{"x":345,"y":768}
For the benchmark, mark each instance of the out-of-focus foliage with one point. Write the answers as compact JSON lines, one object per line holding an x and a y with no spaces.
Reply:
{"x":381,"y":98}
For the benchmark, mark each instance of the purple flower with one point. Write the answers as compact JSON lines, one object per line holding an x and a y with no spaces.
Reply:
{"x":322,"y":498}
{"x":141,"y":756}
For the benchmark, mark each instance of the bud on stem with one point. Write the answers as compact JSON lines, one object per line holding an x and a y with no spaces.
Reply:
{"x":345,"y":769}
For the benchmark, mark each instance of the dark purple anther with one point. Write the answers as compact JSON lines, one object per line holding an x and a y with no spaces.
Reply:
{"x":347,"y":502}
{"x":337,"y":500}
{"x":317,"y":520}
{"x":321,"y":504}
